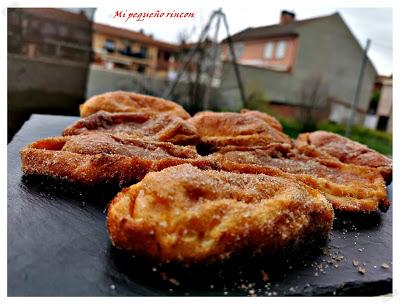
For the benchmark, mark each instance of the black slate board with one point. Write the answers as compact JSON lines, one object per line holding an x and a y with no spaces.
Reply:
{"x":58,"y":246}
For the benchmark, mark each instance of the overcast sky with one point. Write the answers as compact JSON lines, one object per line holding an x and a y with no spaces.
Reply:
{"x":373,"y":23}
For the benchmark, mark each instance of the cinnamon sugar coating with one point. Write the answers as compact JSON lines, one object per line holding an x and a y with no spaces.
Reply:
{"x":347,"y":151}
{"x":217,"y":130}
{"x":272,"y":121}
{"x":184,"y":214}
{"x":348,"y":187}
{"x":103,"y":158}
{"x":150,"y":126}
{"x":121,"y":101}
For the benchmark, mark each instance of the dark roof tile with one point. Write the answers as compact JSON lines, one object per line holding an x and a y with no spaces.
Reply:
{"x":275,"y":30}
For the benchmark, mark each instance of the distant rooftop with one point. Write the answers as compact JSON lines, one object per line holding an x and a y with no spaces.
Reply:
{"x":274,"y":30}
{"x":81,"y":18}
{"x":132,"y":35}
{"x":58,"y":14}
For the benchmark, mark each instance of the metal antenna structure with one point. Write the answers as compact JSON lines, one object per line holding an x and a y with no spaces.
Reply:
{"x":217,"y":16}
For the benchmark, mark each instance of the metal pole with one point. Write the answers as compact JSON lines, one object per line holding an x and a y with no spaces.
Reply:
{"x":358,"y":89}
{"x":189,"y":57}
{"x":236,"y":68}
{"x":214,"y":56}
{"x":195,"y":96}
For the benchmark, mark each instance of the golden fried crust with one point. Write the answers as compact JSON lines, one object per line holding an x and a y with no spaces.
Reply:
{"x":120,"y":101}
{"x":149,"y":126}
{"x":217,"y":130}
{"x":183,"y":214}
{"x":272,"y":121}
{"x":349,"y":188}
{"x":103,"y":158}
{"x":347,"y":151}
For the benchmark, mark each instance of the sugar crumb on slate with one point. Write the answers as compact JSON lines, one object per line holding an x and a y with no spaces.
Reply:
{"x":385,"y":265}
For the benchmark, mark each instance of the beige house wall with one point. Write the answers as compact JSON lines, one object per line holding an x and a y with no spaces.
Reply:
{"x":253,"y":53}
{"x":120,"y":43}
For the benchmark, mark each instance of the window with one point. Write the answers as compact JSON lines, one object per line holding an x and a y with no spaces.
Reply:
{"x":238,"y":47}
{"x":382,"y":123}
{"x":35,"y":24}
{"x":49,"y":29}
{"x":82,"y":36}
{"x":143,"y":51}
{"x":268,"y":50}
{"x":62,"y":30}
{"x":127,"y":51}
{"x":280,"y":50}
{"x":109,"y":45}
{"x":141,"y":69}
{"x":167,"y":55}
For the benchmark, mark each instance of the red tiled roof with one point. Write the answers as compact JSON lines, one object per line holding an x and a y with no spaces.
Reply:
{"x":275,"y":30}
{"x":71,"y":17}
{"x":136,"y":36}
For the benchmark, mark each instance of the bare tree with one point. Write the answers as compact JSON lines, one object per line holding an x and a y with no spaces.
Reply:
{"x":196,"y":68}
{"x":183,"y":36}
{"x":313,"y":96}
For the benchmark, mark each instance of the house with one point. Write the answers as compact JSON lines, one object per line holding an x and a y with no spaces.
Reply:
{"x":124,"y":49}
{"x":380,"y":112}
{"x":300,"y":64}
{"x":49,"y":33}
{"x":385,"y":105}
{"x":48,"y":55}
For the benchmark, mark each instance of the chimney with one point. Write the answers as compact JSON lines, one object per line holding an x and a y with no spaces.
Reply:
{"x":287,"y":17}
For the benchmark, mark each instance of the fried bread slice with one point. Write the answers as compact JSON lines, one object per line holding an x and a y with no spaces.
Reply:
{"x":272,"y":121}
{"x":348,"y":187}
{"x":121,"y":101}
{"x":347,"y":151}
{"x":103,"y":158}
{"x":217,"y":130}
{"x":187,"y":215}
{"x":150,"y":126}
